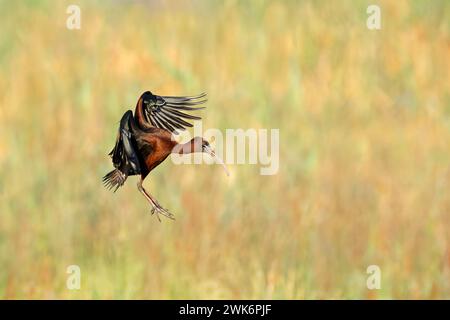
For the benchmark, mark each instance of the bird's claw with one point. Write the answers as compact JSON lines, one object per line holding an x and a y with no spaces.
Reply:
{"x":160,"y":210}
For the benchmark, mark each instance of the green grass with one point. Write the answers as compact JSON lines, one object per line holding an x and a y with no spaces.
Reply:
{"x":364,"y":151}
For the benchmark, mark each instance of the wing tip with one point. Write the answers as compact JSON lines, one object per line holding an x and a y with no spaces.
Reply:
{"x":114,"y":179}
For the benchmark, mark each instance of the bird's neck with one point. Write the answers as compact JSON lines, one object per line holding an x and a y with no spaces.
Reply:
{"x":185,"y":148}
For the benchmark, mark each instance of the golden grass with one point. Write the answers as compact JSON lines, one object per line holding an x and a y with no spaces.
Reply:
{"x":365,"y":150}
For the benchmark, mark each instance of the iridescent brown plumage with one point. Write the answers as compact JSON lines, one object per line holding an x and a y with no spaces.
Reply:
{"x":145,"y":140}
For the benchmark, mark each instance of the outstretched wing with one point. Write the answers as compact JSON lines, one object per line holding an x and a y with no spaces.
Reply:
{"x":124,"y":156}
{"x":168,"y":112}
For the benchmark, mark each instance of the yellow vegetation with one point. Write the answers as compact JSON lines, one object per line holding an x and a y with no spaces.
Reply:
{"x":364,"y":151}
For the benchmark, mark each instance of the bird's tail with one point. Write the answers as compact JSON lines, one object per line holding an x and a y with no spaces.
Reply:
{"x":115,"y":178}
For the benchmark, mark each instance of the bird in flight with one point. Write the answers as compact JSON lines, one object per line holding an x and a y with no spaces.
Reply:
{"x":145,"y":140}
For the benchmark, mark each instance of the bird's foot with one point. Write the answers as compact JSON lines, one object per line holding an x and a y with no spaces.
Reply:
{"x":158,"y":209}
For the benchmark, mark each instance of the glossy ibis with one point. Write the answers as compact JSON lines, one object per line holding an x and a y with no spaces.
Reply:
{"x":145,"y":140}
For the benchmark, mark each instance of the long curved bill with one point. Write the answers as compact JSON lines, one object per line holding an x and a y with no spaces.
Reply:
{"x":211,"y":152}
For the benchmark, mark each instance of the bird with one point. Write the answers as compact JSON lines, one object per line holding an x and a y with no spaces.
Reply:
{"x":145,"y":139}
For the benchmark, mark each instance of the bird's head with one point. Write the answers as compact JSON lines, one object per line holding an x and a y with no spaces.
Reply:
{"x":201,"y":145}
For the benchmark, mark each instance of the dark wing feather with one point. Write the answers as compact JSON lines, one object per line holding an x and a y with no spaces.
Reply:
{"x":165,"y":111}
{"x":115,"y":178}
{"x":124,"y":156}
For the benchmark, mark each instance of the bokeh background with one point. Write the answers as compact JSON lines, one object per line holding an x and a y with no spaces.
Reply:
{"x":364,"y":151}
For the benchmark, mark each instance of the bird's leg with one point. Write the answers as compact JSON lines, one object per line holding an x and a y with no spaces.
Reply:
{"x":156,"y":207}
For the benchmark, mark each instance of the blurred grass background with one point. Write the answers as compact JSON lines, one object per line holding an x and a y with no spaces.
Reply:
{"x":364,"y":151}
